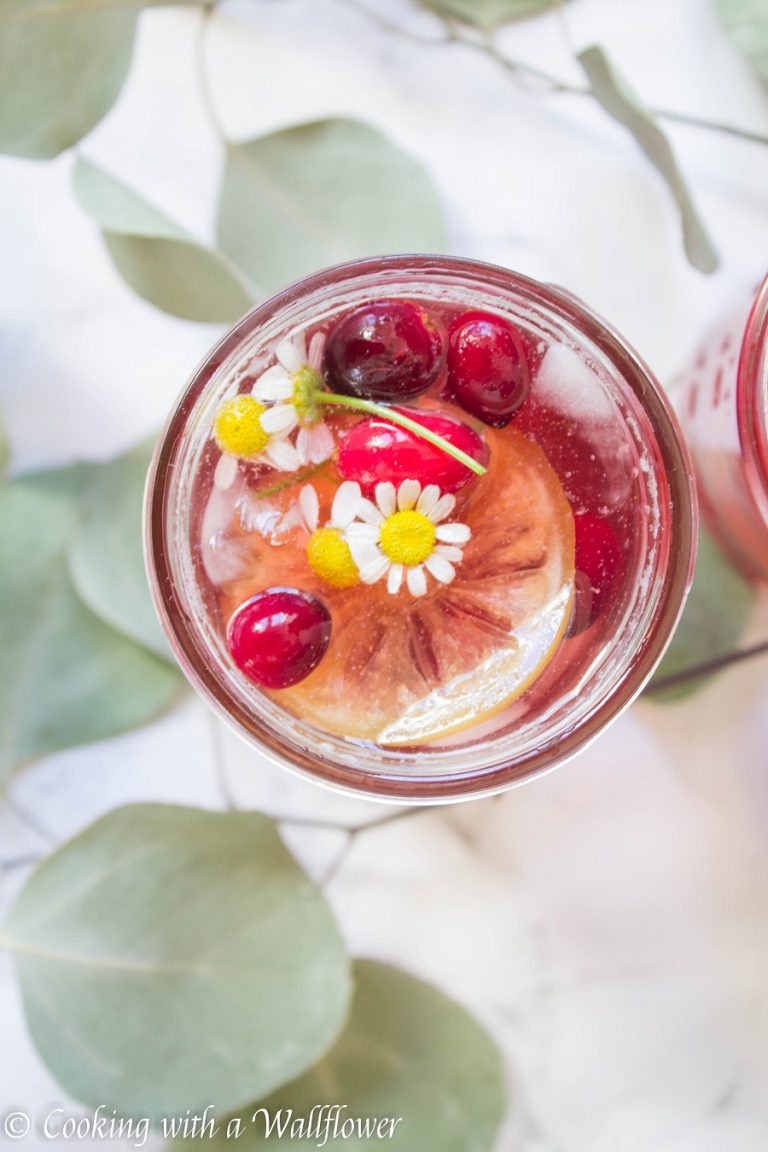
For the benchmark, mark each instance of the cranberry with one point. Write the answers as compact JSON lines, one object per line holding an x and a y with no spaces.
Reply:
{"x":390,"y":350}
{"x":488,"y":369}
{"x":375,"y":450}
{"x":598,"y":557}
{"x":278,"y":636}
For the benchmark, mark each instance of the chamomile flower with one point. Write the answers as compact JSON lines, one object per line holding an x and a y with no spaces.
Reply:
{"x":328,"y":552}
{"x":244,"y":429}
{"x":403,"y":535}
{"x":290,"y":386}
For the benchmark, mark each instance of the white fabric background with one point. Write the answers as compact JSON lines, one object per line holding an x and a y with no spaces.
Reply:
{"x":610,"y":922}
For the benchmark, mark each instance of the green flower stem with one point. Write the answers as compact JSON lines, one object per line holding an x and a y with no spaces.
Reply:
{"x":395,"y":417}
{"x":290,"y":481}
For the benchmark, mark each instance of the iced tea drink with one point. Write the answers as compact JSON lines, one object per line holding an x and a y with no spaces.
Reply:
{"x":420,"y":527}
{"x":725,"y":414}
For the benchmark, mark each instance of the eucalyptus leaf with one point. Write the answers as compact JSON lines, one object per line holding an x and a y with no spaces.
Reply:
{"x":159,"y":261}
{"x":5,"y":450}
{"x":64,"y":484}
{"x":714,"y":619}
{"x":321,"y":193}
{"x":489,"y":14}
{"x":619,"y":101}
{"x":62,"y":65}
{"x":746,"y":22}
{"x":105,"y":553}
{"x":66,"y":678}
{"x":171,"y":958}
{"x":409,"y":1054}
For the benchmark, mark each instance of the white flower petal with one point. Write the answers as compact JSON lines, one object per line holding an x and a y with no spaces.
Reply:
{"x":364,"y":552}
{"x":360,"y":531}
{"x":345,"y":504}
{"x":290,"y":355}
{"x":282,"y":455}
{"x":417,"y":581}
{"x":309,"y":506}
{"x":368,"y":512}
{"x":407,"y":494}
{"x":440,"y":568}
{"x":375,"y":569}
{"x":444,"y":506}
{"x":292,"y":519}
{"x":320,"y":443}
{"x":316,"y":349}
{"x":225,"y":472}
{"x":302,"y":445}
{"x":274,"y":384}
{"x":386,"y":497}
{"x":453,"y":533}
{"x":394,"y":579}
{"x":280,"y":420}
{"x":428,"y":499}
{"x":300,"y":344}
{"x":448,"y":552}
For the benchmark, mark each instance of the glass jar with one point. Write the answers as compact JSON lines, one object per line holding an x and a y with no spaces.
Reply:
{"x":725,"y":415}
{"x":604,"y":422}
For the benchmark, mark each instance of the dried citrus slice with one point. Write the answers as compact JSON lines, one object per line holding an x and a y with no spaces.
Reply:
{"x":402,"y":670}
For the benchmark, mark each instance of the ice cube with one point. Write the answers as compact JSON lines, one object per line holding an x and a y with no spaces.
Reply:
{"x":262,"y":516}
{"x":257,"y":514}
{"x":567,"y":384}
{"x":223,"y":551}
{"x":225,"y":556}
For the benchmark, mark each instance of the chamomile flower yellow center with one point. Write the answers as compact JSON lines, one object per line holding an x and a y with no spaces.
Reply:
{"x":330,"y":558}
{"x":238,"y":429}
{"x":407,"y":538}
{"x":307,"y":382}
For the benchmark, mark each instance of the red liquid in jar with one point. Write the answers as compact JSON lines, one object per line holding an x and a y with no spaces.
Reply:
{"x":523,"y":614}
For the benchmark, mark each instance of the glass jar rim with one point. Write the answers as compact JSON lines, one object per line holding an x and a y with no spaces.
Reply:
{"x":676,"y":576}
{"x":752,"y":399}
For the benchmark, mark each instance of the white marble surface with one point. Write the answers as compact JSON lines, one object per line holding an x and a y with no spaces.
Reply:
{"x":610,"y":922}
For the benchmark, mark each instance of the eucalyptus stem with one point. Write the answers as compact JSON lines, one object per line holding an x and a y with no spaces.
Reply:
{"x":396,"y":417}
{"x":553,"y":85}
{"x":694,"y":671}
{"x":203,"y":76}
{"x":16,"y":862}
{"x":358,"y":830}
{"x":219,"y":768}
{"x":30,"y":821}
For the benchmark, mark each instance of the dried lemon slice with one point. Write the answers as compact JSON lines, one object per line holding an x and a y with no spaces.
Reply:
{"x":402,"y":670}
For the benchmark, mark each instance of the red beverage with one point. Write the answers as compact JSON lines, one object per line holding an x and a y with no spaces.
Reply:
{"x":407,"y":616}
{"x":725,"y":412}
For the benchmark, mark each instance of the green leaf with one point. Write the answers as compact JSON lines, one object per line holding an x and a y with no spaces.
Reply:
{"x":490,"y":14}
{"x":715,"y":615}
{"x":746,"y":22}
{"x":619,"y":101}
{"x":65,"y":485}
{"x":408,"y":1051}
{"x":5,"y":451}
{"x":65,"y":677}
{"x":157,"y":258}
{"x":62,"y":65}
{"x":319,"y":194}
{"x":104,"y":551}
{"x":171,"y":958}
{"x":105,"y":554}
